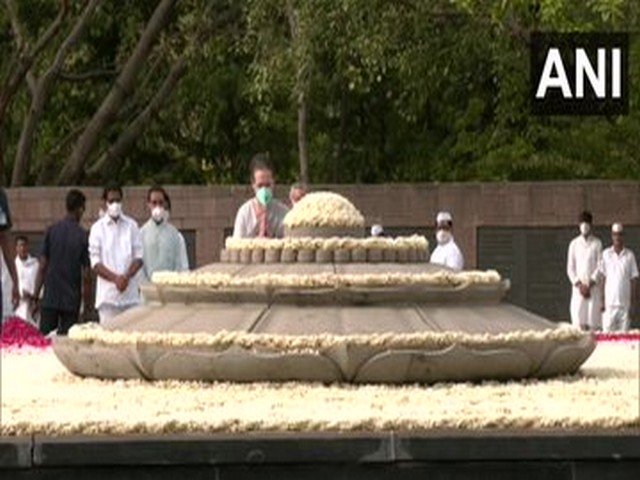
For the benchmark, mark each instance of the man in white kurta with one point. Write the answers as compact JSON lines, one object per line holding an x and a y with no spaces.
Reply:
{"x":163,"y":246}
{"x":115,"y":252}
{"x":620,"y":271}
{"x":447,"y":252}
{"x":583,"y":259}
{"x":27,"y":270}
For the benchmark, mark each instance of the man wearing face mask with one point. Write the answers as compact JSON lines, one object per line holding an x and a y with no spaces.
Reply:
{"x":261,"y":216}
{"x":447,"y":252}
{"x":163,"y":245}
{"x":583,"y":259}
{"x":115,"y":251}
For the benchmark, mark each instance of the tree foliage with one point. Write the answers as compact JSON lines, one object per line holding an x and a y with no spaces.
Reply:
{"x":409,"y":90}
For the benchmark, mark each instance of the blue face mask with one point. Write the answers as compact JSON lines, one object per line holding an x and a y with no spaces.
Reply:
{"x":264,"y":195}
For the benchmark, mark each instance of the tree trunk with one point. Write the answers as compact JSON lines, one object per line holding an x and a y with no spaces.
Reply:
{"x":41,"y":94}
{"x":137,"y":127}
{"x":23,"y":151}
{"x":46,"y":166}
{"x":25,"y":59}
{"x":123,"y":87}
{"x":342,"y":136}
{"x":303,"y":151}
{"x":23,"y":63}
{"x":2,"y":140}
{"x":301,"y":89}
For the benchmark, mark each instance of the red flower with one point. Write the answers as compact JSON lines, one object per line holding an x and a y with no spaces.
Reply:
{"x":618,"y":337}
{"x":16,"y":333}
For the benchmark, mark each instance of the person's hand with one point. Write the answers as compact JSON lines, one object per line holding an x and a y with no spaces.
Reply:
{"x":585,"y":290}
{"x":122,"y":282}
{"x":90,"y":315}
{"x":15,"y":296}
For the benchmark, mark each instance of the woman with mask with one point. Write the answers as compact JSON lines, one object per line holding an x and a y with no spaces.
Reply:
{"x":447,"y":252}
{"x":262,"y":215}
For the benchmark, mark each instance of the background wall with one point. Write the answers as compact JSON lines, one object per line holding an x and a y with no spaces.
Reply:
{"x":522,"y":229}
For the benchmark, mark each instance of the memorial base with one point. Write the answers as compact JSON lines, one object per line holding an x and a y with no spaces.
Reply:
{"x":492,"y":455}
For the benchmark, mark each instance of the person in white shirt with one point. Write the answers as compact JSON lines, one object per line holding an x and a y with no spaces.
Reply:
{"x":263,"y":215}
{"x":583,"y":259}
{"x":27,"y":271}
{"x":620,"y":271}
{"x":163,"y":245}
{"x":115,"y":252}
{"x":377,"y":230}
{"x":447,"y":252}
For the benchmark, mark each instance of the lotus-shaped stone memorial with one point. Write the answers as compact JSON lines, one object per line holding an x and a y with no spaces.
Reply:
{"x":325,"y":304}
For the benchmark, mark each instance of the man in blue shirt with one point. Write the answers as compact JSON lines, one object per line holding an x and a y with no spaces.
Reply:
{"x":63,"y":266}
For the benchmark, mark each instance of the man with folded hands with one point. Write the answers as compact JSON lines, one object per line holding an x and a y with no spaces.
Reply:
{"x":262,"y":216}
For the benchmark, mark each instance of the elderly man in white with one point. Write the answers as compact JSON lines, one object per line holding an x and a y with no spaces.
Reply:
{"x":115,"y":251}
{"x":583,"y":259}
{"x":447,"y":252}
{"x":620,"y":271}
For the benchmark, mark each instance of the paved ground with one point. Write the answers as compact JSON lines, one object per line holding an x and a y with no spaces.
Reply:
{"x":40,"y":397}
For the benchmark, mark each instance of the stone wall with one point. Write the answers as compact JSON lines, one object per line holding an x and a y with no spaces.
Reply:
{"x":208,"y":210}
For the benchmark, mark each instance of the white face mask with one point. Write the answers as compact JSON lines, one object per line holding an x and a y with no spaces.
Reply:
{"x":114,"y":209}
{"x":443,"y":236}
{"x":585,"y":228}
{"x":158,"y":214}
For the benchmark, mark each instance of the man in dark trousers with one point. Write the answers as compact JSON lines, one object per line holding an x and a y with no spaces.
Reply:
{"x":7,"y":248}
{"x":64,"y":264}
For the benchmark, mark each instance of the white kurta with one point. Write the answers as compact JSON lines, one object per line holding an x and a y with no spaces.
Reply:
{"x":618,"y":269}
{"x":27,"y":271}
{"x":583,"y":260}
{"x":116,"y":245}
{"x":164,"y":249}
{"x":449,"y":255}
